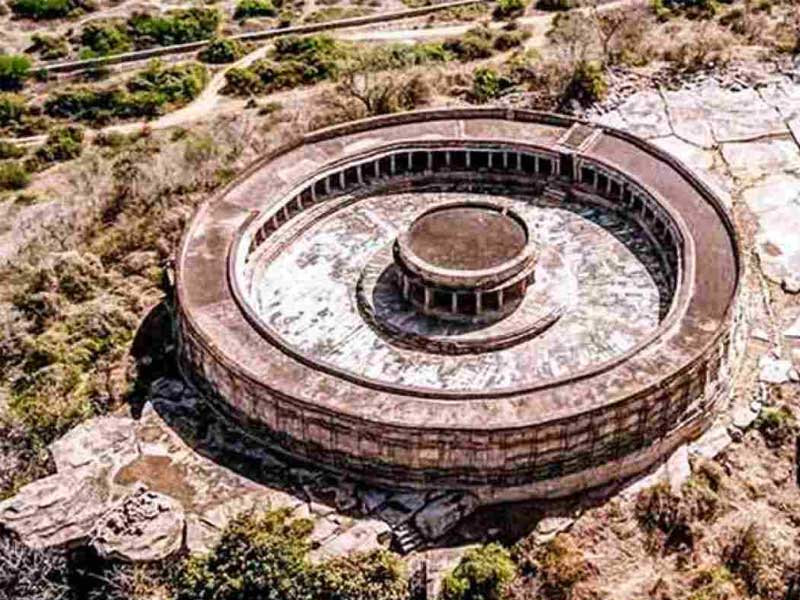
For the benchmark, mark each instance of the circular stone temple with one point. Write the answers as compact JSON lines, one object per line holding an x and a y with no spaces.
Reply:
{"x":503,"y":302}
{"x":465,"y":261}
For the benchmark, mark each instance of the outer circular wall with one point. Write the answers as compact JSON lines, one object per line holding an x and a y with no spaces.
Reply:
{"x":566,"y":434}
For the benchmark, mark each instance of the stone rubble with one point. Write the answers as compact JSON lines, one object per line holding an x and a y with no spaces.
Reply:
{"x":144,"y":489}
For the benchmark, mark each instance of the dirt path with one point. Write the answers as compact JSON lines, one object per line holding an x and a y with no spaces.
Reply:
{"x":209,"y":100}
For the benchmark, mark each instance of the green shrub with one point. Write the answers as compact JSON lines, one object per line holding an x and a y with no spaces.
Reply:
{"x":222,"y":50}
{"x":12,"y":109}
{"x":693,"y":9}
{"x":62,"y":143}
{"x":671,"y":518}
{"x":587,"y":84}
{"x":254,"y":8}
{"x":14,"y":70}
{"x":13,"y":175}
{"x":149,"y":93}
{"x":553,"y":5}
{"x":712,"y":583}
{"x":475,"y":44}
{"x":293,"y":62}
{"x":488,"y":84}
{"x":265,"y":556}
{"x":509,"y":38}
{"x":49,"y":47}
{"x":175,"y":27}
{"x":44,"y":9}
{"x":509,"y":9}
{"x":777,"y":425}
{"x":9,"y":150}
{"x":481,"y":575}
{"x":106,"y":37}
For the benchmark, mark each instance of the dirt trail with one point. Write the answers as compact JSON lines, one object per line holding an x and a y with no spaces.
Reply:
{"x":208,"y":101}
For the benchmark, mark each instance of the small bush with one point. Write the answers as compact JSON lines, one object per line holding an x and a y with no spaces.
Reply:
{"x":587,"y":84}
{"x":9,"y":150}
{"x":147,"y":94}
{"x":106,"y":37}
{"x":63,"y":143}
{"x":671,"y":518}
{"x":44,"y":9}
{"x":758,"y":562}
{"x":714,"y":583}
{"x":26,"y":573}
{"x":488,"y":84}
{"x":265,"y":556}
{"x":693,"y":9}
{"x":49,"y":47}
{"x":175,"y":27}
{"x":14,"y":69}
{"x":222,"y":50}
{"x":254,"y":8}
{"x":509,"y":9}
{"x":777,"y":425}
{"x":553,"y":5}
{"x":13,"y":175}
{"x":482,"y":574}
{"x":475,"y":44}
{"x":293,"y":62}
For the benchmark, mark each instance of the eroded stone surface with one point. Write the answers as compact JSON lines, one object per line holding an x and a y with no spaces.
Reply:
{"x":144,"y":526}
{"x":143,"y":489}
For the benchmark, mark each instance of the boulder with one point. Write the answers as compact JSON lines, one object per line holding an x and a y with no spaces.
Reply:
{"x":711,"y":443}
{"x":364,"y":536}
{"x":59,"y":510}
{"x":439,"y":516}
{"x":774,"y":370}
{"x":678,"y":469}
{"x":145,"y":526}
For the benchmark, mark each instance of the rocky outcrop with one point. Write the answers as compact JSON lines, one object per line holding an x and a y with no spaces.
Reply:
{"x":141,"y":490}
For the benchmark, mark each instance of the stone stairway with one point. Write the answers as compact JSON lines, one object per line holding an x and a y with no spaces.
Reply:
{"x":407,"y":538}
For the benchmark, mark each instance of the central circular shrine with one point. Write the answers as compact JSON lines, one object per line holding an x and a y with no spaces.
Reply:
{"x":502,"y":302}
{"x":466,"y":262}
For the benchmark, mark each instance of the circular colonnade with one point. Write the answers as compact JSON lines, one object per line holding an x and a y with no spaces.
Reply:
{"x":510,"y":303}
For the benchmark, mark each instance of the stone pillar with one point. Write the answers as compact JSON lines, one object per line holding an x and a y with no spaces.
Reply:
{"x":500,"y":300}
{"x":327,"y":185}
{"x":447,"y":158}
{"x":489,"y":159}
{"x":454,"y":303}
{"x":314,"y":192}
{"x":406,"y":287}
{"x":409,"y":161}
{"x":467,"y":155}
{"x":505,"y":160}
{"x":299,"y":201}
{"x":342,"y":180}
{"x":430,"y":161}
{"x":392,"y":165}
{"x":286,"y":212}
{"x":519,"y":161}
{"x":478,"y":302}
{"x":359,"y":174}
{"x":427,"y":297}
{"x":377,"y":168}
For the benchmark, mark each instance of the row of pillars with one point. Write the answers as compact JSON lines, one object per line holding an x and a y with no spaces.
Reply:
{"x":455,"y":304}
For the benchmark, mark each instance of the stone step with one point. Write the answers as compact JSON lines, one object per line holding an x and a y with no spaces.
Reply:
{"x":408,"y":538}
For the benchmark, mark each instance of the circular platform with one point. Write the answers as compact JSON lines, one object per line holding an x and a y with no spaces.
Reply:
{"x":502,"y":302}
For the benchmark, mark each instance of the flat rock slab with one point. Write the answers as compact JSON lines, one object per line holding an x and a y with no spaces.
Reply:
{"x":711,"y":443}
{"x":59,"y":510}
{"x":145,"y":526}
{"x":773,"y":370}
